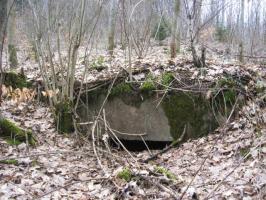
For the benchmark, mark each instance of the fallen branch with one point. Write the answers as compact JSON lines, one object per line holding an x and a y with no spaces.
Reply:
{"x":173,"y":144}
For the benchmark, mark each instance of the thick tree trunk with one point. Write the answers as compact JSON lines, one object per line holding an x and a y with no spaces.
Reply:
{"x":112,"y":23}
{"x":11,"y":29}
{"x":175,"y":37}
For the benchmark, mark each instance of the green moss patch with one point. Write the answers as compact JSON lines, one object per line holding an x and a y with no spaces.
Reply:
{"x":167,"y":78}
{"x":121,"y":89}
{"x":9,"y":162}
{"x":125,"y":174}
{"x":13,"y":134}
{"x":165,"y":172}
{"x":147,"y":86}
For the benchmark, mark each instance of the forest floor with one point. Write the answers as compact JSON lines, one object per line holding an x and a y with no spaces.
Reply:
{"x":229,"y":164}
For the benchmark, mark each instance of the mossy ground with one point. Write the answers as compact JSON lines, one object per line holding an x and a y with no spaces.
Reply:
{"x":167,"y":173}
{"x":15,"y":135}
{"x":9,"y":162}
{"x":15,"y":80}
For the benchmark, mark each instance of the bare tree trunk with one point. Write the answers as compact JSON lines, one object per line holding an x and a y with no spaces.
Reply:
{"x":175,"y":37}
{"x":229,"y":18}
{"x":264,"y":26}
{"x":242,"y":29}
{"x":197,"y":17}
{"x":112,"y":23}
{"x":214,"y":5}
{"x":11,"y":31}
{"x":3,"y":18}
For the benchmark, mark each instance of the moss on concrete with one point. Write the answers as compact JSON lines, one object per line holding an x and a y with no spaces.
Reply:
{"x":121,"y":89}
{"x":15,"y":135}
{"x":191,"y":111}
{"x":64,"y":117}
